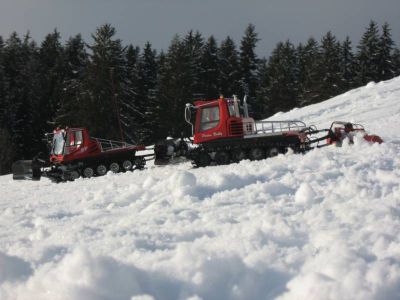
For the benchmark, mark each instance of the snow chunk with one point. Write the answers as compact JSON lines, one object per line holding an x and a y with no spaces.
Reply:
{"x":182,"y":183}
{"x":79,"y":275}
{"x":305,"y":194}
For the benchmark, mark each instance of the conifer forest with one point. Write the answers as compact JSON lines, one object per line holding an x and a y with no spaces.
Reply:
{"x":104,"y":85}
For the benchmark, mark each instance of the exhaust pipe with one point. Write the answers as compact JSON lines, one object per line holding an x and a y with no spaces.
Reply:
{"x":245,"y":107}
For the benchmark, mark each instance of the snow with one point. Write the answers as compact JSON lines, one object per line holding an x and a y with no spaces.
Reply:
{"x":324,"y":225}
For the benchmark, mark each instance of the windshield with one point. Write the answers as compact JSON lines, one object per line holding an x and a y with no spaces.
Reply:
{"x":58,"y":143}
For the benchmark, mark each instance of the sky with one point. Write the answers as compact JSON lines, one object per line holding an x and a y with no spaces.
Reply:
{"x":157,"y":21}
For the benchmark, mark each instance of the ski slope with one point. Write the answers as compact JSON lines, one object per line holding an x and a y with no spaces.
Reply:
{"x":324,"y":225}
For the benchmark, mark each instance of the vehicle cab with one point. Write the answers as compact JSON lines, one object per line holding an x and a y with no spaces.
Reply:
{"x":70,"y":144}
{"x":218,"y":119}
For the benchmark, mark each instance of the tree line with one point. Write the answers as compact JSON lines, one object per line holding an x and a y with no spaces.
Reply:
{"x":138,"y":94}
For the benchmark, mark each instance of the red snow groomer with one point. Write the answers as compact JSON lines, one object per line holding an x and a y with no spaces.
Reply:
{"x":223,"y":133}
{"x":73,"y":153}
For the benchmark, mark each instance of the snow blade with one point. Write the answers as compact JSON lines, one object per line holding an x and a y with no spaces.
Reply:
{"x":170,"y":151}
{"x":26,"y":170}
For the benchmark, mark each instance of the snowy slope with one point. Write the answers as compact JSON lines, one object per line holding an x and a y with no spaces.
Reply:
{"x":324,"y":225}
{"x":376,"y":106}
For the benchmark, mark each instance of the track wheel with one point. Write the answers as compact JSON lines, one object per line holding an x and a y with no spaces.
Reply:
{"x":140,"y":162}
{"x":88,"y":172}
{"x":127,"y":165}
{"x":257,"y":153}
{"x":202,"y":160}
{"x":273,"y":152}
{"x":101,"y":170}
{"x":114,"y":167}
{"x":222,"y":157}
{"x":74,"y":175}
{"x":238,"y":155}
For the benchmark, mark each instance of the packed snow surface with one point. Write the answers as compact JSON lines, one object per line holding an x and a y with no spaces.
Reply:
{"x":324,"y":225}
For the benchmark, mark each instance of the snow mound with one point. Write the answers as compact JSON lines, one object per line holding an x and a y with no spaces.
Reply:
{"x":323,"y":225}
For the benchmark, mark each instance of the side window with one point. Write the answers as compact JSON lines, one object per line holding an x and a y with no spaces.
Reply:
{"x":78,"y":137}
{"x":209,"y":118}
{"x":74,"y":138}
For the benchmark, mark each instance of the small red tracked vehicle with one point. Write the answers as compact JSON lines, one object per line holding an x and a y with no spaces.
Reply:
{"x":73,"y":153}
{"x":342,"y":130}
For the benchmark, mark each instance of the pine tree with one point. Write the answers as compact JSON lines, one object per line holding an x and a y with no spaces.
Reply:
{"x":132,"y":62}
{"x":396,"y":61}
{"x":52,"y":72}
{"x":348,"y":67}
{"x":329,"y":67}
{"x":6,"y":147}
{"x":15,"y":114}
{"x":194,"y":47}
{"x":147,"y":100}
{"x":158,"y":106}
{"x":283,"y":87}
{"x":248,"y":68}
{"x":2,"y":85}
{"x":210,"y":64}
{"x":308,"y":58}
{"x":21,"y":96}
{"x":163,"y":104}
{"x":176,"y":86}
{"x":32,"y":93}
{"x":133,"y":121}
{"x":386,"y":68}
{"x":75,"y":60}
{"x":262,"y":92}
{"x":107,"y":91}
{"x":6,"y":151}
{"x":229,"y":69}
{"x":368,"y":56}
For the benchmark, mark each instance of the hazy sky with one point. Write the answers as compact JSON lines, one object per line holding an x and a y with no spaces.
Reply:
{"x":157,"y":21}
